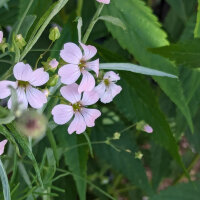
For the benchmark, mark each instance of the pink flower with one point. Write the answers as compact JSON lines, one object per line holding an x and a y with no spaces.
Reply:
{"x":27,"y":80}
{"x":107,"y":89}
{"x":148,"y":129}
{"x":104,"y":1}
{"x":54,"y":63}
{"x":79,"y":64}
{"x":83,"y":117}
{"x":1,"y":36}
{"x":2,"y":146}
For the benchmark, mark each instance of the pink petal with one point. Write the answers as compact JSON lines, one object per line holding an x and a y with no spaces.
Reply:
{"x":148,"y":129}
{"x":115,"y":89}
{"x":54,"y":63}
{"x":35,"y":97}
{"x":62,"y":113}
{"x":107,"y":96}
{"x":104,"y":1}
{"x":77,"y":125}
{"x":4,"y":89}
{"x":100,"y":89}
{"x":22,"y":99}
{"x":1,"y":36}
{"x":2,"y":146}
{"x":87,"y":82}
{"x":90,"y":115}
{"x":94,"y":66}
{"x":90,"y":98}
{"x":39,"y":77}
{"x":71,"y":53}
{"x":112,"y":76}
{"x":89,"y":51}
{"x":22,"y":71}
{"x":70,"y":93}
{"x":69,"y":73}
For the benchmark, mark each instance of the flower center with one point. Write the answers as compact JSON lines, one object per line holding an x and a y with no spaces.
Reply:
{"x":23,"y":84}
{"x":82,"y":64}
{"x":106,"y":82}
{"x":77,"y":107}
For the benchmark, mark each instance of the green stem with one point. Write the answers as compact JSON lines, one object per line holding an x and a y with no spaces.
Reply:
{"x":6,"y":61}
{"x":191,"y":165}
{"x":4,"y":54}
{"x":92,"y":23}
{"x":79,"y":8}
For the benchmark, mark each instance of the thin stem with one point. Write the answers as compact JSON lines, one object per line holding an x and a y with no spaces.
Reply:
{"x":79,"y":8}
{"x":4,"y":54}
{"x":191,"y":165}
{"x":92,"y":23}
{"x":6,"y":61}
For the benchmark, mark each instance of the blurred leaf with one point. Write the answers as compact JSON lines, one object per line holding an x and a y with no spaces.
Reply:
{"x":138,"y":18}
{"x":189,"y":50}
{"x":123,"y":161}
{"x":183,"y":191}
{"x":197,"y":27}
{"x":4,"y":181}
{"x":75,"y":158}
{"x":135,"y":68}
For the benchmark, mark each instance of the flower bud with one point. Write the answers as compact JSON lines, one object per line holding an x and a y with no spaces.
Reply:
{"x":46,"y":92}
{"x":116,"y":136}
{"x":54,"y":34}
{"x":53,"y":81}
{"x":3,"y":44}
{"x":143,"y":126}
{"x":20,"y":41}
{"x":138,"y":155}
{"x":53,"y":64}
{"x":32,"y":124}
{"x":1,"y":36}
{"x":2,"y":146}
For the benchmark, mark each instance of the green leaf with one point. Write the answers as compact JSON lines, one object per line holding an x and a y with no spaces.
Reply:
{"x":143,"y":32}
{"x":25,"y":146}
{"x":197,"y":27}
{"x":183,"y":191}
{"x":186,"y":54}
{"x":113,"y":20}
{"x":76,"y":158}
{"x":135,"y":68}
{"x":123,"y":161}
{"x":4,"y":181}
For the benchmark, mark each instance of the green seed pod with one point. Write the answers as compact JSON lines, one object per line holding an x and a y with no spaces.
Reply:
{"x":54,"y":34}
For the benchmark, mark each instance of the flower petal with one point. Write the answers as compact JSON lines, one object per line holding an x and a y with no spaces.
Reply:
{"x":62,"y":113}
{"x":90,"y":115}
{"x":71,"y":53}
{"x":77,"y":125}
{"x":87,"y":82}
{"x":112,"y":76}
{"x":90,"y":98}
{"x":1,"y":36}
{"x":94,"y":66}
{"x":69,"y":73}
{"x":104,"y":1}
{"x":22,"y":99}
{"x":89,"y":51}
{"x":2,"y":146}
{"x":100,"y":89}
{"x":115,"y":89}
{"x":4,"y":89}
{"x":39,"y":77}
{"x":70,"y":93}
{"x":22,"y":71}
{"x":35,"y":97}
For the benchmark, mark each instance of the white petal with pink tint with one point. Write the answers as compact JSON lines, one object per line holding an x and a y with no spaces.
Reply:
{"x":100,"y":89}
{"x":94,"y":66}
{"x":87,"y":82}
{"x":89,"y":51}
{"x":78,"y":124}
{"x":62,"y":113}
{"x":1,"y":36}
{"x":22,"y":99}
{"x":115,"y":89}
{"x":90,"y":115}
{"x":39,"y":77}
{"x":107,"y":96}
{"x":5,"y":90}
{"x":71,"y":53}
{"x":69,"y":73}
{"x":22,"y":71}
{"x":35,"y":97}
{"x":112,"y":76}
{"x":104,"y":1}
{"x":54,"y":63}
{"x":70,"y":93}
{"x":89,"y":98}
{"x":2,"y":146}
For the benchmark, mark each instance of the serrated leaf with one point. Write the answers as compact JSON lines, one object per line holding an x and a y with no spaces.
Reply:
{"x":143,"y":32}
{"x":186,"y":54}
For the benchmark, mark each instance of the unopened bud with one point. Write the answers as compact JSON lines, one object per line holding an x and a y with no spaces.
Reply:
{"x":116,"y":136}
{"x":46,"y":92}
{"x":1,"y":36}
{"x":53,"y":64}
{"x":53,"y":81}
{"x":54,"y":34}
{"x":20,"y":41}
{"x":3,"y":44}
{"x":138,"y":155}
{"x":143,"y":126}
